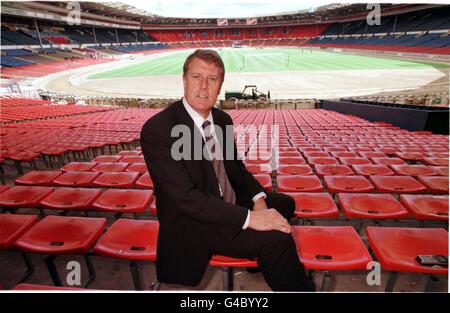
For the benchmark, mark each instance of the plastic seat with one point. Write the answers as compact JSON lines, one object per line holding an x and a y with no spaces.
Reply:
{"x":426,"y":207}
{"x":294,"y":170}
{"x":3,"y":188}
{"x":397,"y":184}
{"x":137,"y":167}
{"x":107,"y":158}
{"x":249,"y":161}
{"x":338,"y":169}
{"x":129,"y":153}
{"x":226,"y":261}
{"x":285,"y":161}
{"x":413,"y":170}
{"x":344,"y":154}
{"x":316,"y":154}
{"x":12,"y":226}
{"x":436,"y":161}
{"x":393,"y":249}
{"x":323,"y":161}
{"x":388,"y":161}
{"x":23,"y":287}
{"x":78,"y":166}
{"x":299,"y":183}
{"x":435,"y":184}
{"x":23,"y":196}
{"x":355,"y":161}
{"x":145,"y":181}
{"x":359,"y":205}
{"x":123,"y":201}
{"x":259,"y":168}
{"x":62,"y":235}
{"x":314,"y":205}
{"x":75,"y":179}
{"x":132,"y":159}
{"x":355,"y":183}
{"x":110,"y":167}
{"x":129,"y":240}
{"x":69,"y":199}
{"x":441,"y":170}
{"x":133,"y":240}
{"x":264,"y":180}
{"x":37,"y":178}
{"x":410,"y":156}
{"x":372,"y":169}
{"x":330,"y":248}
{"x":369,"y":154}
{"x":116,"y":180}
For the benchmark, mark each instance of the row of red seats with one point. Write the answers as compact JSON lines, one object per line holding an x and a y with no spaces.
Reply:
{"x":326,"y":248}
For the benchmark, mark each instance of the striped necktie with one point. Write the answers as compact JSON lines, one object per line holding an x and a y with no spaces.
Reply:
{"x":226,"y":190}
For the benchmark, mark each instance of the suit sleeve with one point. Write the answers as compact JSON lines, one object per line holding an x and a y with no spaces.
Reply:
{"x":172,"y":178}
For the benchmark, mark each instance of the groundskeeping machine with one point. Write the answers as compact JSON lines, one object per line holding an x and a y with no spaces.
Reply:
{"x":250,"y":92}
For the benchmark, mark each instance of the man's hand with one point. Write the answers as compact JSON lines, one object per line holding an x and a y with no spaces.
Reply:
{"x":260,"y":205}
{"x":268,"y":219}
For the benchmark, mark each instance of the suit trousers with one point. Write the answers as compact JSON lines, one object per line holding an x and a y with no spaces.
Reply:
{"x":275,"y":251}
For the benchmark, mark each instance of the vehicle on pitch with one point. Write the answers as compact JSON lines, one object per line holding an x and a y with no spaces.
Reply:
{"x":250,"y":92}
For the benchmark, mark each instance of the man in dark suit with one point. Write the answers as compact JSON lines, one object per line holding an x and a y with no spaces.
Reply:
{"x":212,"y":204}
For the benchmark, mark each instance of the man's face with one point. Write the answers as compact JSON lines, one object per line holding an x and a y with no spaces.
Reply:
{"x":202,"y":84}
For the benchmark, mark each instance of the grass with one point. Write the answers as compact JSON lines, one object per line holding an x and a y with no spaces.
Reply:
{"x":267,"y":60}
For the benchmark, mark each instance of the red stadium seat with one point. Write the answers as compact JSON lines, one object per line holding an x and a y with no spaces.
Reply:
{"x":55,"y":235}
{"x":355,"y":161}
{"x":338,"y":169}
{"x":78,"y":166}
{"x":3,"y":188}
{"x":372,"y":169}
{"x":426,"y":207}
{"x":323,"y":161}
{"x":133,"y":240}
{"x":366,"y":154}
{"x":132,"y":159}
{"x":393,"y":249}
{"x":137,"y":167}
{"x":314,"y":205}
{"x":145,"y":181}
{"x":441,"y":170}
{"x":264,"y":180}
{"x":294,"y":170}
{"x":227,"y":264}
{"x":358,"y":205}
{"x":107,"y":158}
{"x":413,"y":170}
{"x":388,"y":161}
{"x":294,"y":183}
{"x":116,"y":180}
{"x":75,"y":179}
{"x":110,"y":167}
{"x":259,"y":168}
{"x":295,"y":160}
{"x":397,"y":184}
{"x":344,"y":154}
{"x":355,"y":183}
{"x":153,"y":206}
{"x":330,"y":248}
{"x":69,"y":199}
{"x":12,"y":226}
{"x":37,"y":178}
{"x":436,"y":161}
{"x":316,"y":154}
{"x":435,"y":184}
{"x":410,"y":156}
{"x":23,"y":196}
{"x":123,"y":201}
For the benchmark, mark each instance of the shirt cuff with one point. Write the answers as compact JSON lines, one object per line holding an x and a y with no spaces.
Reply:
{"x":247,"y":220}
{"x":262,"y":194}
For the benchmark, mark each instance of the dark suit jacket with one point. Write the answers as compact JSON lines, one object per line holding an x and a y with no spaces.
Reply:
{"x":188,"y":197}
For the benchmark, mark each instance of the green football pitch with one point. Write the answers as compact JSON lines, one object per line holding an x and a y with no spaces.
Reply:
{"x":266,"y":60}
